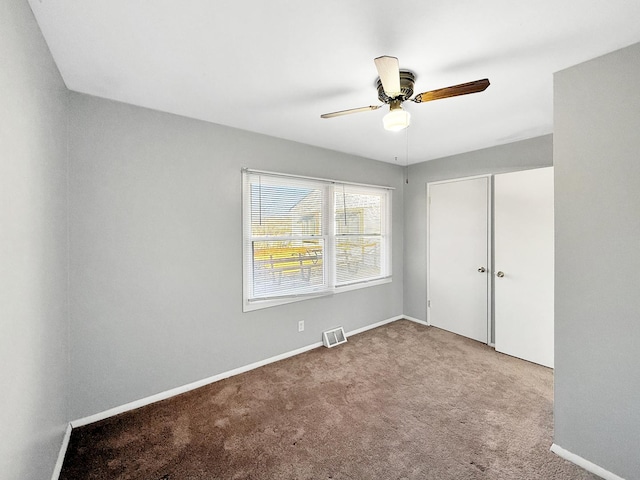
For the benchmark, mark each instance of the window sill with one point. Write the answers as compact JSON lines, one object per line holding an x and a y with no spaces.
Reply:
{"x":274,"y":302}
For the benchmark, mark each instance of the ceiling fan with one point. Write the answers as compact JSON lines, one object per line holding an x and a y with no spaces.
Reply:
{"x":396,"y":86}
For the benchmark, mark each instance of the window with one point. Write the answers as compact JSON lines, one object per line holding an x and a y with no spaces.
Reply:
{"x":304,"y":237}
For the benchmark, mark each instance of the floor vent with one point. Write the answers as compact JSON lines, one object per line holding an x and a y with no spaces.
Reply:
{"x":333,"y":337}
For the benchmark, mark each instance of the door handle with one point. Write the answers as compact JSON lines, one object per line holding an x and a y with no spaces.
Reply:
{"x":482,"y":270}
{"x":500,"y":274}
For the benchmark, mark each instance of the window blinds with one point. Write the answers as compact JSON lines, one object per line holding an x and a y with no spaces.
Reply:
{"x":306,"y":236}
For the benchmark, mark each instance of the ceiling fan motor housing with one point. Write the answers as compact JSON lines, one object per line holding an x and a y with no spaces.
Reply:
{"x":407,"y":80}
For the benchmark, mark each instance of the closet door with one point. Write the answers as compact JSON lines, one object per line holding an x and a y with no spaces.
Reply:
{"x":458,"y":257}
{"x":524,"y":265}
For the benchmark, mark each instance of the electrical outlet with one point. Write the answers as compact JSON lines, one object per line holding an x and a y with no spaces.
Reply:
{"x":301,"y":326}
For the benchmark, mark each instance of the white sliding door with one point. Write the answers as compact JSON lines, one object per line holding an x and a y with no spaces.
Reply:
{"x":458,"y":257}
{"x":524,"y":264}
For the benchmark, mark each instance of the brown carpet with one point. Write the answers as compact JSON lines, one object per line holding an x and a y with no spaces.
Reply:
{"x":402,"y":401}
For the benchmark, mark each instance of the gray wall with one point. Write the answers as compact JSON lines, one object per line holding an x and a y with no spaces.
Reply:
{"x":522,"y":155}
{"x":150,"y":210}
{"x":34,"y":373}
{"x":156,"y":264}
{"x":597,"y":318}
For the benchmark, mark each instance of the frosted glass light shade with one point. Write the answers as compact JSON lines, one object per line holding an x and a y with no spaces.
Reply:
{"x":396,"y":120}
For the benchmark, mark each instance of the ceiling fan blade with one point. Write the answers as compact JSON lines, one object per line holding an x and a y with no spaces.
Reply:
{"x":351,"y":110}
{"x":389,"y":72}
{"x":453,"y":91}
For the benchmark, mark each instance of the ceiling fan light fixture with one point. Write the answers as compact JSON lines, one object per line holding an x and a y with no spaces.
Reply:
{"x":397,"y":119}
{"x":396,"y":86}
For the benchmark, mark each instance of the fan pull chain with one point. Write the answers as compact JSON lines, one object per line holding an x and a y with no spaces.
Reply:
{"x":406,"y":168}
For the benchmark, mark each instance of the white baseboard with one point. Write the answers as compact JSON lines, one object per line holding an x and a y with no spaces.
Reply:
{"x":216,"y":378}
{"x":415,"y":320}
{"x":586,"y":464}
{"x":374,"y":325}
{"x":188,"y":387}
{"x":63,"y":451}
{"x":191,"y":386}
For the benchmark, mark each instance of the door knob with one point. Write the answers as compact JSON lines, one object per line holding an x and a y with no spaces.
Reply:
{"x":500,"y":274}
{"x":482,"y":270}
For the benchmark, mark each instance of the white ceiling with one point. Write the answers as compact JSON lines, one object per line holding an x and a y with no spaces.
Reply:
{"x":274,"y":66}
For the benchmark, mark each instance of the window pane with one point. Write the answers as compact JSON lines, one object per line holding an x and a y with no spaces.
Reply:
{"x":358,"y":258}
{"x":285,"y":210}
{"x":287,"y":267}
{"x":359,"y":231}
{"x":358,"y":213}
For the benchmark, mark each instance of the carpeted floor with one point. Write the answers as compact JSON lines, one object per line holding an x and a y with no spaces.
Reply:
{"x":402,"y":401}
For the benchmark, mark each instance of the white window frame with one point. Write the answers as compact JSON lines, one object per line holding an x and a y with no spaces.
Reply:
{"x":328,"y":235}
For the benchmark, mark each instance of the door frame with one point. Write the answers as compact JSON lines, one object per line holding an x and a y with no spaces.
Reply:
{"x":489,"y":267}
